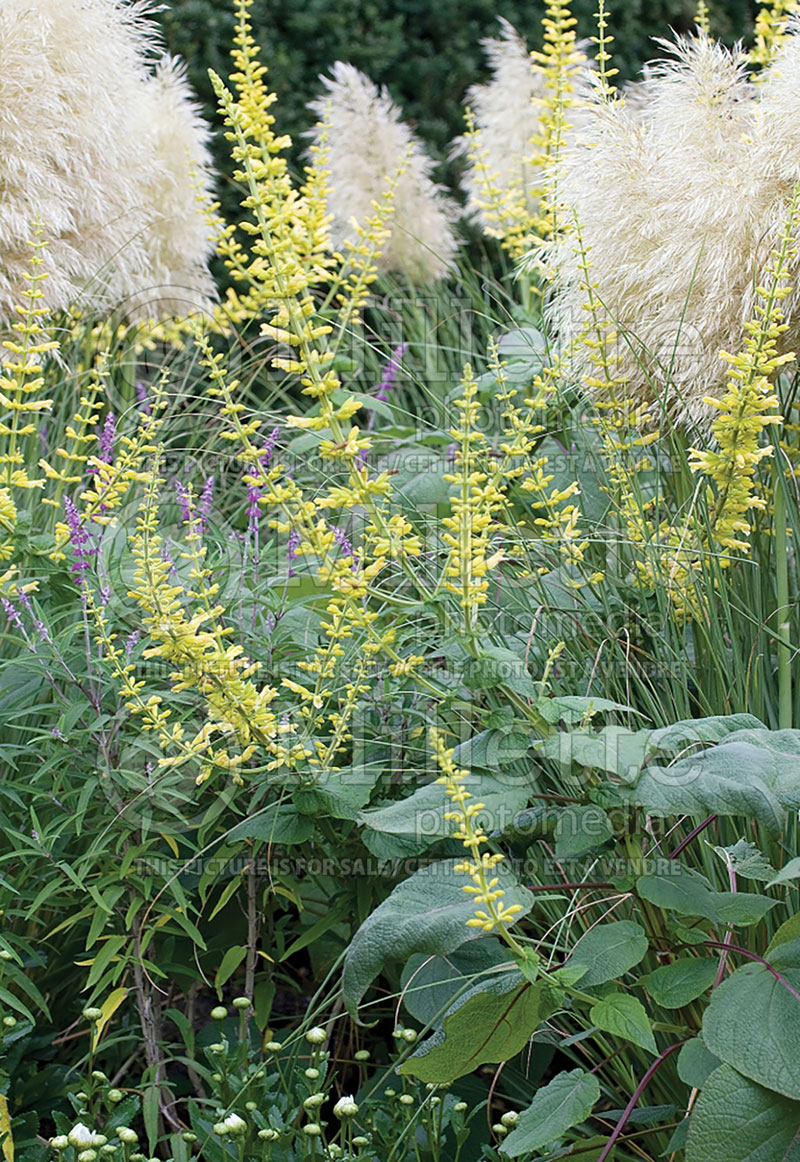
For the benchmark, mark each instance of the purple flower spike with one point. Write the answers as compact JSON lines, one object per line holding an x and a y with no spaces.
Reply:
{"x":82,"y":548}
{"x":205,"y":502}
{"x":12,"y":613}
{"x":106,"y":439}
{"x":182,"y":493}
{"x":390,"y":372}
{"x":291,"y":549}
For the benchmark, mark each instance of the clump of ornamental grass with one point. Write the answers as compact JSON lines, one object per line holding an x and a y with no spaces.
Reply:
{"x":371,"y":154}
{"x":679,"y":199}
{"x":109,"y":158}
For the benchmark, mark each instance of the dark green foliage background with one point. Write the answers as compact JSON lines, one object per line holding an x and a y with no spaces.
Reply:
{"x":427,"y":52}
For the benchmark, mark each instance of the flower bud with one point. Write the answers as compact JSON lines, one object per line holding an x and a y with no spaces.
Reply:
{"x":9,"y":1022}
{"x":219,"y":1013}
{"x":314,"y":1101}
{"x":127,"y":1135}
{"x":115,"y":1095}
{"x":312,"y":1074}
{"x":362,"y":1055}
{"x":92,"y":1014}
{"x":242,"y":1003}
{"x":273,"y":1046}
{"x":359,"y":1141}
{"x":406,"y":1099}
{"x":87,"y":1156}
{"x":316,"y":1036}
{"x":312,"y":1129}
{"x":346,"y":1107}
{"x":510,"y":1119}
{"x":80,"y":1137}
{"x":268,"y":1135}
{"x":60,"y":1142}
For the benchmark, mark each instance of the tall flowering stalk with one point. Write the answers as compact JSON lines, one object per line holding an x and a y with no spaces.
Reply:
{"x":750,"y":403}
{"x":771,"y":25}
{"x":491,"y":914}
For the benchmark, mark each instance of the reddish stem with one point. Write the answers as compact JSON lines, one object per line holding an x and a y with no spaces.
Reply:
{"x":630,"y":1107}
{"x":759,"y":960}
{"x":692,"y":835}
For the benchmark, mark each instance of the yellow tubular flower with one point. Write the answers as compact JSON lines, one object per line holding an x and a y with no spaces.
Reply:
{"x":750,"y":404}
{"x":771,"y":23}
{"x":491,"y":915}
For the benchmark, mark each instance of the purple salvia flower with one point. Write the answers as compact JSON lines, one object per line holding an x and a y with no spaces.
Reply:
{"x":205,"y":502}
{"x":389,"y":374}
{"x":106,"y":439}
{"x":142,"y":397}
{"x":38,"y":624}
{"x":291,"y":549}
{"x":80,"y":541}
{"x":12,"y":613}
{"x":343,"y":541}
{"x":182,"y":493}
{"x":254,"y":491}
{"x":130,"y":642}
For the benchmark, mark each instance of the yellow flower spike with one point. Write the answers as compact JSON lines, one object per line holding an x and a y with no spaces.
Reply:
{"x":484,"y":886}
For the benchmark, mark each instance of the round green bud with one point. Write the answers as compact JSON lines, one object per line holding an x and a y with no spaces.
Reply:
{"x":98,"y":1075}
{"x":108,"y":1150}
{"x":5,"y":954}
{"x":251,"y":1105}
{"x":219,"y":1013}
{"x":216,"y":1077}
{"x":92,"y":1014}
{"x":9,"y":1022}
{"x":406,"y":1099}
{"x":273,"y":1046}
{"x":314,"y":1101}
{"x":316,"y":1036}
{"x":409,"y":1035}
{"x":87,"y":1156}
{"x":312,"y":1129}
{"x":60,"y":1142}
{"x":115,"y":1095}
{"x":127,"y":1135}
{"x":218,"y":1047}
{"x":460,"y":1107}
{"x":390,"y":1093}
{"x":242,"y":1003}
{"x":510,"y":1119}
{"x":499,"y":1129}
{"x":268,"y":1135}
{"x":359,"y":1141}
{"x":362,"y":1055}
{"x":312,"y":1074}
{"x":188,"y":1136}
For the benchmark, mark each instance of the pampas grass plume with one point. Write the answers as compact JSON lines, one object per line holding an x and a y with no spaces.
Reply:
{"x":367,"y":142}
{"x":93,"y":148}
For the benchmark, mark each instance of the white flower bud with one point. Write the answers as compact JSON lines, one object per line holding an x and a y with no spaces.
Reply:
{"x":346,"y":1107}
{"x":80,"y":1136}
{"x":60,"y":1142}
{"x":316,"y":1036}
{"x":127,"y":1135}
{"x":312,"y":1129}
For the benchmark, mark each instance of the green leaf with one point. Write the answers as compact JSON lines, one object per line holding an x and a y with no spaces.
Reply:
{"x":624,"y":1016}
{"x":736,"y":1120}
{"x":340,"y":794}
{"x":755,"y":773}
{"x":565,"y":1102}
{"x":498,"y":666}
{"x":788,"y":931}
{"x":581,"y":828}
{"x":673,"y":738}
{"x":492,"y":1023}
{"x":695,"y":1063}
{"x":230,"y":962}
{"x":572,"y":709}
{"x":753,"y":1022}
{"x":422,"y":814}
{"x":110,"y":948}
{"x":427,"y":913}
{"x":614,"y":749}
{"x":277,"y":823}
{"x":747,"y":861}
{"x":150,"y":1116}
{"x":689,"y":894}
{"x":790,"y":871}
{"x":430,"y":985}
{"x":492,"y":750}
{"x":674,"y":985}
{"x":608,"y":951}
